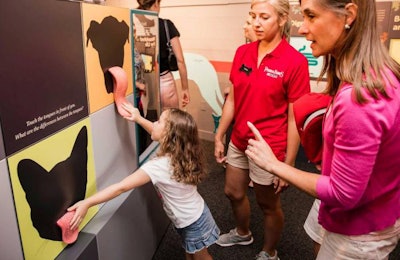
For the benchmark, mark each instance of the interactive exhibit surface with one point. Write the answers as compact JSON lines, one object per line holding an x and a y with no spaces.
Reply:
{"x":61,"y":136}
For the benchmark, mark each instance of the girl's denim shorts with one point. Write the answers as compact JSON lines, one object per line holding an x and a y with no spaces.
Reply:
{"x":200,"y":234}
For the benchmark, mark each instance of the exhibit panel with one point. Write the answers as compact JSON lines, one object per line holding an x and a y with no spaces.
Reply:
{"x":44,"y":70}
{"x":62,"y":133}
{"x":46,"y":179}
{"x":10,"y":246}
{"x":303,"y":46}
{"x":2,"y":153}
{"x":114,"y":149}
{"x":40,"y":59}
{"x":106,"y":38}
{"x":394,"y":31}
{"x":300,"y":43}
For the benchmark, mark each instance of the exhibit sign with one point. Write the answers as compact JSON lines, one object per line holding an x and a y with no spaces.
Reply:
{"x":394,"y":31}
{"x":42,"y":74}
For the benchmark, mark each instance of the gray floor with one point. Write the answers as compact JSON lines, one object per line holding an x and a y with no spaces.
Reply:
{"x":294,"y":244}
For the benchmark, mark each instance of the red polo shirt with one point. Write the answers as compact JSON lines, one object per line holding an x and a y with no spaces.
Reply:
{"x":262,"y":94}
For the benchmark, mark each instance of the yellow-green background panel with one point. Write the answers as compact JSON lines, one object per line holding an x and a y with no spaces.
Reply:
{"x":48,"y":153}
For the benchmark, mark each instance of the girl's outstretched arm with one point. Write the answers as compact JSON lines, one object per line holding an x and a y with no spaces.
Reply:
{"x":134,"y":115}
{"x":136,"y":179}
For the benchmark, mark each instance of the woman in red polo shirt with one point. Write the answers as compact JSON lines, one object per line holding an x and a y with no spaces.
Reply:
{"x":267,"y":75}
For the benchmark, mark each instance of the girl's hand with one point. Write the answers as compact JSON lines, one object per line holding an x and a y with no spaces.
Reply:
{"x":260,"y":152}
{"x":81,"y":209}
{"x":134,"y":113}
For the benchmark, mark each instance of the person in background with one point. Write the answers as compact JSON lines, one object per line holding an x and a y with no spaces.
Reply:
{"x":175,"y":173}
{"x":249,"y":34}
{"x":140,"y":81}
{"x":168,"y":90}
{"x":140,"y":93}
{"x":359,"y":182}
{"x":267,"y":75}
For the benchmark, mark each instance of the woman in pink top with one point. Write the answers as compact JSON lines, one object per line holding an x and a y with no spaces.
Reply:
{"x":267,"y":76}
{"x":359,"y":185}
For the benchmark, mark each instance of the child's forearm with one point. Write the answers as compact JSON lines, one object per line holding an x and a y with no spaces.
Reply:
{"x":146,"y":124}
{"x":104,"y":195}
{"x":82,"y":207}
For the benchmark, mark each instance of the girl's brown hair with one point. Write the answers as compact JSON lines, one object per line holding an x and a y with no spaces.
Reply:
{"x":361,"y":58}
{"x":182,"y":143}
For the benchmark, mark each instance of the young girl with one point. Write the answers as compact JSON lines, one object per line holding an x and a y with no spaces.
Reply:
{"x":175,"y":172}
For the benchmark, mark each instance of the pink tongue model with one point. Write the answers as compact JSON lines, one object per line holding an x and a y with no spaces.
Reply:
{"x":68,"y":236}
{"x":120,"y":82}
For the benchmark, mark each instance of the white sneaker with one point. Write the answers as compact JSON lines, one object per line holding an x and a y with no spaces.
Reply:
{"x":233,"y":238}
{"x":265,"y":256}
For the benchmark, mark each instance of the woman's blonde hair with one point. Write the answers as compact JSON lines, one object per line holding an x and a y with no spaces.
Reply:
{"x":360,"y":58}
{"x":182,"y":143}
{"x":282,"y":7}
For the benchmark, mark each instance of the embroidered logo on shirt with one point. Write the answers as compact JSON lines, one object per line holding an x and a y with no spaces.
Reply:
{"x":273,"y":73}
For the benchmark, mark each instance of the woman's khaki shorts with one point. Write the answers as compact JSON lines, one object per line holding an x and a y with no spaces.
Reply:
{"x":238,"y":159}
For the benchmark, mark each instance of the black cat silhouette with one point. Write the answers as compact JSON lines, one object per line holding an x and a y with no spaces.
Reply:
{"x":108,"y":39}
{"x":49,"y":194}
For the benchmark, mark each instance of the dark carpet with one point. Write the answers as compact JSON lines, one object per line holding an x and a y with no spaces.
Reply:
{"x":294,"y":244}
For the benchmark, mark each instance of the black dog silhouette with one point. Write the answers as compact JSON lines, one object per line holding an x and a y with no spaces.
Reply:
{"x":108,"y":38}
{"x":49,"y":194}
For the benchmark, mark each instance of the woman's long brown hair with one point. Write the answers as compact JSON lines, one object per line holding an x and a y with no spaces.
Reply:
{"x":360,"y":59}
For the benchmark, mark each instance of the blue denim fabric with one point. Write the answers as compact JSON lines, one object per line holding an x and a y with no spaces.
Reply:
{"x":200,"y":234}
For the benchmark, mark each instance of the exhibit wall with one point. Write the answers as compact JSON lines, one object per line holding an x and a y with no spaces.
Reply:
{"x":62,"y":136}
